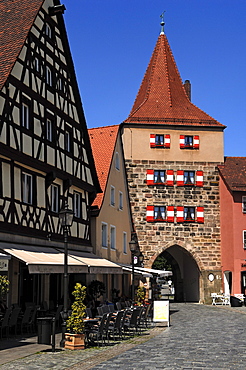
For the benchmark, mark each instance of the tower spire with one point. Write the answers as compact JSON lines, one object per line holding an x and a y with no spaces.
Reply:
{"x":162,"y":23}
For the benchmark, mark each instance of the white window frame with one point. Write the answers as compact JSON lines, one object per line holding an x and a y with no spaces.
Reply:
{"x":54,"y":198}
{"x":124,"y":242}
{"x":117,"y":161}
{"x":49,"y":129}
{"x":244,"y":204}
{"x":112,"y":195}
{"x":77,"y":200}
{"x":120,"y":200}
{"x":48,"y":76}
{"x":25,"y":115}
{"x":112,"y":237}
{"x":27,"y":188}
{"x":244,"y":239}
{"x":104,"y":234}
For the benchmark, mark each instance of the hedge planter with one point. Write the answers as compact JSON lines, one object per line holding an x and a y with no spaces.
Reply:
{"x":74,"y":341}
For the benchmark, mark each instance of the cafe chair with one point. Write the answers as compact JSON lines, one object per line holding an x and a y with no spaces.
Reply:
{"x":4,"y":323}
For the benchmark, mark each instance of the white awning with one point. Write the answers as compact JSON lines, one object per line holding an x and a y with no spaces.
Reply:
{"x":47,"y":260}
{"x":157,"y":272}
{"x":128,"y":269}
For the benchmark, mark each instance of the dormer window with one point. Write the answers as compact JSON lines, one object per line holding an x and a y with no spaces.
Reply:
{"x":189,"y":142}
{"x":159,"y":140}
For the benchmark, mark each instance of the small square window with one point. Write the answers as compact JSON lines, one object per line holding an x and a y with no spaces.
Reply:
{"x":159,"y":177}
{"x":189,"y":213}
{"x":159,"y":140}
{"x":189,"y":177}
{"x":188,"y":141}
{"x":159,"y":213}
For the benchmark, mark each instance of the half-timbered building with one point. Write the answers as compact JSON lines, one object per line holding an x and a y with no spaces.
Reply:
{"x":46,"y":160}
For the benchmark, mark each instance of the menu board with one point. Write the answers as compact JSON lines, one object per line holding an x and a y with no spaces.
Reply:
{"x":161,"y":311}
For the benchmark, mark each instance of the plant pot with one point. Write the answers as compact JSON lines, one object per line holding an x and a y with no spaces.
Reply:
{"x":74,"y":341}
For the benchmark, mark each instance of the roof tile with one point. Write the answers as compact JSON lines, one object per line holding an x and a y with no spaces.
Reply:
{"x":233,"y":171}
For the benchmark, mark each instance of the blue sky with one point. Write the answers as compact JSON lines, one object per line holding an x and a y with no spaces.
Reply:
{"x":112,"y":42}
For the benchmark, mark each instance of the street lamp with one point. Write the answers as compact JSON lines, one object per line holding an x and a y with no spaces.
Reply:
{"x":133,"y":249}
{"x":66,"y":219}
{"x":140,"y":259}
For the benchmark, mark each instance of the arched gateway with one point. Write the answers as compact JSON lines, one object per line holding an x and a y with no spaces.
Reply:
{"x":186,"y":274}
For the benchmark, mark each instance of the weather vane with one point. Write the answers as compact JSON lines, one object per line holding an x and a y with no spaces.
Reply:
{"x":162,"y":22}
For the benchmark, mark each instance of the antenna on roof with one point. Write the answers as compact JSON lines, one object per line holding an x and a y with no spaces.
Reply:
{"x":162,"y":23}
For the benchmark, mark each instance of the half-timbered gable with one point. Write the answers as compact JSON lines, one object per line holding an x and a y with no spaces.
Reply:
{"x":45,"y":150}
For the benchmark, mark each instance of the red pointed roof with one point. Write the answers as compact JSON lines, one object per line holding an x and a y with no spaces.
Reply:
{"x":162,"y":97}
{"x":233,"y":171}
{"x":103,"y":141}
{"x":16,"y":19}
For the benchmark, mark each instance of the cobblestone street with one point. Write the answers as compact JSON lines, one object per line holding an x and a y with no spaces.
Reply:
{"x":200,"y":337}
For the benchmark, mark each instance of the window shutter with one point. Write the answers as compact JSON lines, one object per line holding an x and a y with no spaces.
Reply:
{"x":182,"y":141}
{"x":170,"y":214}
{"x":180,"y":214}
{"x":150,"y":177}
{"x":180,"y":178}
{"x":150,"y":214}
{"x":196,"y":142}
{"x":167,"y":141}
{"x":169,"y":174}
{"x":199,"y":178}
{"x":152,"y":140}
{"x":200,"y":214}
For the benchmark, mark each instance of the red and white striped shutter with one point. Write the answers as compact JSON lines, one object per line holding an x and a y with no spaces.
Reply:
{"x":180,"y":178}
{"x":170,"y":214}
{"x":199,"y":178}
{"x":169,"y":174}
{"x":150,"y":177}
{"x":167,"y":141}
{"x":200,"y":214}
{"x":150,"y":214}
{"x":180,"y":214}
{"x":182,"y":141}
{"x":152,"y":140}
{"x":196,"y":142}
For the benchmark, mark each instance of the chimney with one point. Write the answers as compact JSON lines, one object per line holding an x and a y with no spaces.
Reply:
{"x":187,"y":87}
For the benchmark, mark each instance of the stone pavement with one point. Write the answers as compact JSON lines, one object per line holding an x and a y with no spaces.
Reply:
{"x":200,"y":337}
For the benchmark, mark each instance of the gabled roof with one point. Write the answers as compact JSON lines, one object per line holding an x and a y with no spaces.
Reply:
{"x":233,"y":172}
{"x":103,"y":140}
{"x":162,"y":97}
{"x":16,"y":19}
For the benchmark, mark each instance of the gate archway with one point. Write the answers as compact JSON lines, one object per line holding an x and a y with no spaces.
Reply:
{"x":186,"y":274}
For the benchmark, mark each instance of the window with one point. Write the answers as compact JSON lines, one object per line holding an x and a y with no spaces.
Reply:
{"x":27,"y":188}
{"x":160,"y":213}
{"x":49,"y":76}
{"x":244,"y":239}
{"x":25,"y":114}
{"x":36,"y":64}
{"x":68,"y":141}
{"x":104,"y":235}
{"x":124,"y":242}
{"x":159,"y":141}
{"x":49,"y":130}
{"x":190,"y":214}
{"x":189,"y":142}
{"x":189,"y":178}
{"x":159,"y":177}
{"x":77,"y":204}
{"x":54,"y":190}
{"x":244,"y":204}
{"x":60,"y":84}
{"x":112,"y":196}
{"x":48,"y":30}
{"x":117,"y":161}
{"x":112,"y":237}
{"x":120,"y":200}
{"x":155,"y":177}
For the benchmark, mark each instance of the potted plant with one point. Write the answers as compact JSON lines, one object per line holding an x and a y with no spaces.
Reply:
{"x":4,"y":288}
{"x":140,"y":295}
{"x":75,"y":337}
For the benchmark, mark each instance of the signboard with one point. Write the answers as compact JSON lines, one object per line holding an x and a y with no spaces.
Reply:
{"x":161,"y":311}
{"x":4,"y":263}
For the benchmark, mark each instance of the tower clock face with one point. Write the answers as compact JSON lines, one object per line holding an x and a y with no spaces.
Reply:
{"x":211,"y":277}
